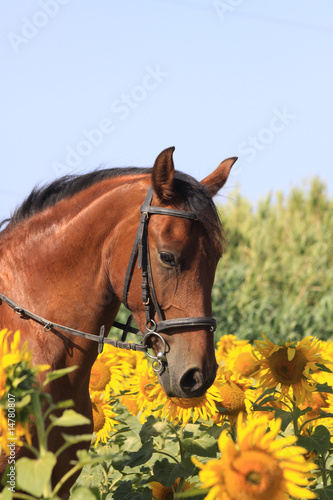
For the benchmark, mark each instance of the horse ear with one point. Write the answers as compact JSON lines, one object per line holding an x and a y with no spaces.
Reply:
{"x":218,"y":178}
{"x":163,"y":174}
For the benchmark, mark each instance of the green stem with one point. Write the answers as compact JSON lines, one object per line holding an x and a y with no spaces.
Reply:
{"x":37,"y":412}
{"x":41,"y":434}
{"x":166,"y":454}
{"x":323,"y":471}
{"x":23,"y":496}
{"x":180,"y":485}
{"x":295,"y":422}
{"x":64,"y":478}
{"x":306,"y":422}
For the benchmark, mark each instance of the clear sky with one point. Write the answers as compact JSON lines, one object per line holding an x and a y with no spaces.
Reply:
{"x":108,"y":82}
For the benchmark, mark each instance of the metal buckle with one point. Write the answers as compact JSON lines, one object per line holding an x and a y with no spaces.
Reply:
{"x":160,"y":358}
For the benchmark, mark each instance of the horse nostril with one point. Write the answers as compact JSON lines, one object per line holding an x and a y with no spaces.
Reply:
{"x":192,"y":380}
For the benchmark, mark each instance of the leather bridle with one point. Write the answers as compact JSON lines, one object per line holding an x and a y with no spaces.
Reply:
{"x":140,"y":250}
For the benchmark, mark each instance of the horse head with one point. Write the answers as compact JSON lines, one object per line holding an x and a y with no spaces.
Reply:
{"x":183,"y":252}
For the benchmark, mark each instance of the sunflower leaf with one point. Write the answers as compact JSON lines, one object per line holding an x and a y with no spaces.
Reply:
{"x":135,"y":458}
{"x":69,"y":418}
{"x":324,"y":493}
{"x":55,"y":374}
{"x":203,"y":447}
{"x":166,"y":472}
{"x":319,"y":441}
{"x":287,"y":417}
{"x":125,"y":492}
{"x":324,"y":388}
{"x":84,"y":493}
{"x":152,"y":428}
{"x":323,"y":368}
{"x":34,"y":474}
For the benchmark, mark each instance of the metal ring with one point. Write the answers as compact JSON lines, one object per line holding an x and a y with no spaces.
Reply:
{"x":152,"y":326}
{"x":18,"y":310}
{"x":159,"y":366}
{"x":48,"y":327}
{"x":160,"y":358}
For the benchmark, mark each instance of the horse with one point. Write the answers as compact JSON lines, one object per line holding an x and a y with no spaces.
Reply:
{"x":67,"y":254}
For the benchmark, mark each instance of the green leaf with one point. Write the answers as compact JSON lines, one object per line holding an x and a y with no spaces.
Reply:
{"x":166,"y":472}
{"x":323,"y":368}
{"x":84,"y":493}
{"x":287,"y":417}
{"x":264,"y":394}
{"x":141,"y":456}
{"x":319,"y":441}
{"x":262,"y":408}
{"x":325,"y":493}
{"x":87,"y":458}
{"x":324,"y":388}
{"x":6,"y":494}
{"x":193,"y":493}
{"x":34,"y":474}
{"x":55,"y":374}
{"x":152,"y":428}
{"x":204,"y":446}
{"x":69,"y":418}
{"x":125,"y":492}
{"x":77,"y":439}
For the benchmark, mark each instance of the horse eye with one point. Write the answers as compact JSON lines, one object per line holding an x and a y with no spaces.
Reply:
{"x":168,"y":258}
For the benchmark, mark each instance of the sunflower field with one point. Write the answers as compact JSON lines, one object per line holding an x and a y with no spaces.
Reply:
{"x":264,"y":429}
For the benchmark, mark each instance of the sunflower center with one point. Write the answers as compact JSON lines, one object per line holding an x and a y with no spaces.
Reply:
{"x":284,"y":371}
{"x":232,"y":398}
{"x":98,"y":416}
{"x":245,"y":364}
{"x":167,"y":494}
{"x":253,"y":475}
{"x":187,"y":402}
{"x":100,"y":376}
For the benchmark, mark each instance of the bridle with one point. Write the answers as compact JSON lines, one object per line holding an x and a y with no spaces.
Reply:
{"x":140,"y":250}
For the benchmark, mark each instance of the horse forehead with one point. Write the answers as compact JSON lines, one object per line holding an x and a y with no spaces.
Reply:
{"x":176,"y":230}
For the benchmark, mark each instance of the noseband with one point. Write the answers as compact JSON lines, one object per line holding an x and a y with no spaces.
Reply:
{"x":140,"y":250}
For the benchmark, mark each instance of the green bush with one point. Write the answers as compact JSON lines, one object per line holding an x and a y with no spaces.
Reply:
{"x":276,"y":274}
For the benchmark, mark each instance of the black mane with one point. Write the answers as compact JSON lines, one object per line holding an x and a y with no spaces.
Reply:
{"x":193,"y":192}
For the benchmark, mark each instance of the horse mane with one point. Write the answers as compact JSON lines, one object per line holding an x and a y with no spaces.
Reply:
{"x":195,"y":195}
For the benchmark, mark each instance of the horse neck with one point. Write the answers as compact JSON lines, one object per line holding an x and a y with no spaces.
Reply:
{"x":55,"y":264}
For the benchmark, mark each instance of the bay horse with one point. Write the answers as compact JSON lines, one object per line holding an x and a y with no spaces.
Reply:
{"x":64,"y":256}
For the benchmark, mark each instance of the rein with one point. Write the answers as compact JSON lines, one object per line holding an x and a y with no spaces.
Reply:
{"x":140,"y":250}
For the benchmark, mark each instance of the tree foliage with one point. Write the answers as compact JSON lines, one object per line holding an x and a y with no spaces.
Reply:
{"x":276,"y":274}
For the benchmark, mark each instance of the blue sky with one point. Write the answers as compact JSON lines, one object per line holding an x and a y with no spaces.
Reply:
{"x":115,"y":82}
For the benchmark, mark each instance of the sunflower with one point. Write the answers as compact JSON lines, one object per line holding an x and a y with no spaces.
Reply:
{"x":11,"y":355}
{"x":103,"y":418}
{"x":17,"y":377}
{"x":289,"y":367}
{"x":129,"y":360}
{"x":106,"y":373}
{"x":182,"y":410}
{"x":143,"y":386}
{"x":240,"y":360}
{"x":252,"y":399}
{"x":225,"y":344}
{"x":160,"y":492}
{"x":233,"y":393}
{"x":322,"y":401}
{"x":259,"y":467}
